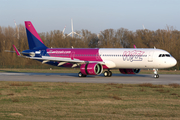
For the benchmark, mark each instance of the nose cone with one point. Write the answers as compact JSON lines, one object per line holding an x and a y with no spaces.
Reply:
{"x":169,"y":62}
{"x":173,"y":62}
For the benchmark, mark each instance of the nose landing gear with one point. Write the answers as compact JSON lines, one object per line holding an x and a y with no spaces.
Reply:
{"x":156,"y":75}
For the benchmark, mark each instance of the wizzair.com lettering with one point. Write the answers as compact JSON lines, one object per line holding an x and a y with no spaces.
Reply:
{"x":60,"y":52}
{"x":133,"y":55}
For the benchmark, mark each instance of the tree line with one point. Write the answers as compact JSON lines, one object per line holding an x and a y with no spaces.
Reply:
{"x":167,"y":39}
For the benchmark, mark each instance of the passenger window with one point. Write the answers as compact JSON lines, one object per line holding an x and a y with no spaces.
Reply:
{"x":160,"y":55}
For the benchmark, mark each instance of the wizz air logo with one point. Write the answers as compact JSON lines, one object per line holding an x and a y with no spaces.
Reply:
{"x":133,"y":55}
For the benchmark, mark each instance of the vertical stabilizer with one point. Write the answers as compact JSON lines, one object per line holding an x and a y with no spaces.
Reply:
{"x":34,"y":40}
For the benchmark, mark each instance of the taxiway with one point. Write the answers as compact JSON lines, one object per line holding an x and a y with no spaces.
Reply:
{"x":73,"y":77}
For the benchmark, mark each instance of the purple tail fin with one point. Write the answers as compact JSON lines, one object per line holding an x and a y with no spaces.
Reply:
{"x":34,"y":40}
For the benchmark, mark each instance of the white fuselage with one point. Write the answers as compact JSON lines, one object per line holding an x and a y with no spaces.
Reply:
{"x":136,"y":58}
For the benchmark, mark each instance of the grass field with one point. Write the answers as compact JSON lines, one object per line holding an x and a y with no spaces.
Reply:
{"x":41,"y":100}
{"x":76,"y":70}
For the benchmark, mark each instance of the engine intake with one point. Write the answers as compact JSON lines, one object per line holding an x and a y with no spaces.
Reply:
{"x":91,"y":69}
{"x":129,"y":71}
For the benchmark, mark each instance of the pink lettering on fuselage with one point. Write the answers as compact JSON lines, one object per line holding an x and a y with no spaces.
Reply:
{"x":133,"y":55}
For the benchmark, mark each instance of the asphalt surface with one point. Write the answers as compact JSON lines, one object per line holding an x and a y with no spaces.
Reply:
{"x":73,"y":77}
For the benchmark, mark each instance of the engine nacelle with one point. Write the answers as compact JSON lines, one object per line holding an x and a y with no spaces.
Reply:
{"x":129,"y":71}
{"x":91,"y":69}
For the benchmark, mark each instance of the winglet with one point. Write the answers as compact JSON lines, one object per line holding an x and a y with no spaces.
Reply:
{"x":134,"y":46}
{"x":17,"y":52}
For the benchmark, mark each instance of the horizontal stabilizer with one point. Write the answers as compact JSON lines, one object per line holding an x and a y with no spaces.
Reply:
{"x":10,"y":51}
{"x":17,"y":52}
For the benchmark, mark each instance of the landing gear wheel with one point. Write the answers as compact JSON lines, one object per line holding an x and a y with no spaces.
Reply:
{"x":156,"y":75}
{"x":81,"y":75}
{"x":110,"y":74}
{"x":106,"y":74}
{"x":84,"y":75}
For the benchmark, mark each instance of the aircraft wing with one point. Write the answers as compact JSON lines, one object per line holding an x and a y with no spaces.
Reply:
{"x":63,"y":60}
{"x":58,"y":59}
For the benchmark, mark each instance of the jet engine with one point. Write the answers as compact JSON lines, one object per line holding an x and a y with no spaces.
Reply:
{"x":91,"y":69}
{"x":129,"y":71}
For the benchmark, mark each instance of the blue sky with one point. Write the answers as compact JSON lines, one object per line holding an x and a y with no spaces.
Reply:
{"x":93,"y":15}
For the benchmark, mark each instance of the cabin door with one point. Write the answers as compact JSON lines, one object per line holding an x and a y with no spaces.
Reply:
{"x":150,"y":56}
{"x":72,"y":55}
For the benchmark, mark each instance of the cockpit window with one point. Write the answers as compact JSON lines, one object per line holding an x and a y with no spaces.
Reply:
{"x":164,"y":55}
{"x":167,"y":55}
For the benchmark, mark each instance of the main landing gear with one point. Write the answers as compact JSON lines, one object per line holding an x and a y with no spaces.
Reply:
{"x":156,"y":75}
{"x":107,"y":73}
{"x":81,"y":75}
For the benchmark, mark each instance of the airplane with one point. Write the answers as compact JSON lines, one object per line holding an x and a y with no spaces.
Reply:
{"x":93,"y":61}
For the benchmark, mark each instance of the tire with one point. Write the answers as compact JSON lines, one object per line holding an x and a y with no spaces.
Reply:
{"x":106,"y":74}
{"x":80,"y":74}
{"x":84,"y":75}
{"x":156,"y":75}
{"x":109,"y":73}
